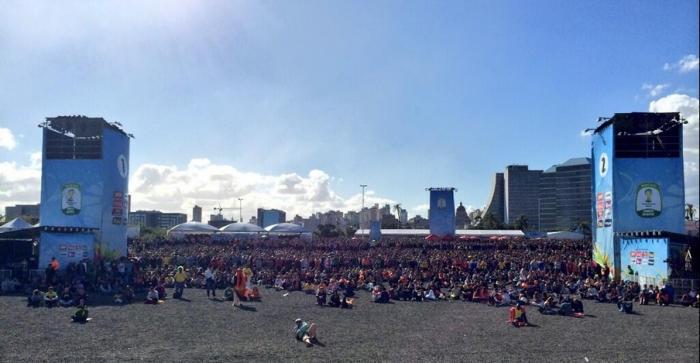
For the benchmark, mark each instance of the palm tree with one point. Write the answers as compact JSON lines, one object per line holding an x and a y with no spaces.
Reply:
{"x":689,"y":212}
{"x":397,"y":208}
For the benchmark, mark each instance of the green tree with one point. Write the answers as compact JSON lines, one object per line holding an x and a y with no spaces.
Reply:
{"x":489,"y":221}
{"x":522,"y":223}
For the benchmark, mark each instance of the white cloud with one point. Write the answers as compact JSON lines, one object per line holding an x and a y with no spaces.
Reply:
{"x":422,"y":210}
{"x":7,"y":139}
{"x":654,"y":90}
{"x":689,"y":63}
{"x":170,"y":188}
{"x":19,"y":184}
{"x":689,"y":107}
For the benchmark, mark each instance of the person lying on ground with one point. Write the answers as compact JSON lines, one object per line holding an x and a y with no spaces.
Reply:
{"x":305,"y":331}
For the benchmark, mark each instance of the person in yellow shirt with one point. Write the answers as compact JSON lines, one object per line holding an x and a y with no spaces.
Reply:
{"x":180,"y":278}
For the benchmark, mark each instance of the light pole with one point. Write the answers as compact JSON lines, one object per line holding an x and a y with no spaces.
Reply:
{"x":240,"y":209}
{"x":363,"y":186}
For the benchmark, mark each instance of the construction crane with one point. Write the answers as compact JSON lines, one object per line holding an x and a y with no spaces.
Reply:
{"x":221,"y":209}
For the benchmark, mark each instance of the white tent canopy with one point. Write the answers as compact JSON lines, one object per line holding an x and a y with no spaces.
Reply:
{"x":286,"y":228}
{"x":190,"y":228}
{"x":15,"y":225}
{"x":241,"y":228}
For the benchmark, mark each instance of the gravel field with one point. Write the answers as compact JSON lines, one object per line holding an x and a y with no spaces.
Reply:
{"x":208,"y":330}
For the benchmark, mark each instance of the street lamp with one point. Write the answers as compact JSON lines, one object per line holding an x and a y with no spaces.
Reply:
{"x":363,"y":186}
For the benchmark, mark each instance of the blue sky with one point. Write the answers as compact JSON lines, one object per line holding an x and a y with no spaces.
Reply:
{"x":321,"y":96}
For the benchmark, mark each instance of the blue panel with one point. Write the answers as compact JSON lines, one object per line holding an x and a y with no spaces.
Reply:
{"x":115,"y":168}
{"x":71,"y":192}
{"x":375,"y":231}
{"x":603,"y":216}
{"x":66,"y":247}
{"x":649,"y":195}
{"x":442,"y":212}
{"x":645,"y":257}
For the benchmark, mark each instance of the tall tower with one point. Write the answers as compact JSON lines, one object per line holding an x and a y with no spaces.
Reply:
{"x":442,"y":211}
{"x":637,"y":186}
{"x":84,"y":188}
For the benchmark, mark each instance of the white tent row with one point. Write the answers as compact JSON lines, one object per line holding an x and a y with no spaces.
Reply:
{"x":236,"y":230}
{"x":459,"y":232}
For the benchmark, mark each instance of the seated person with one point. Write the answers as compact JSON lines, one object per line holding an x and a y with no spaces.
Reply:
{"x":566,"y":307}
{"x":537,"y":301}
{"x":228,"y":293}
{"x":254,"y":294}
{"x":418,"y":293}
{"x":152,"y":297}
{"x":105,"y":287}
{"x":321,"y":296}
{"x":662,"y":298}
{"x":549,"y":306}
{"x":334,"y":300}
{"x":50,"y":298}
{"x":305,"y":331}
{"x":345,"y":303}
{"x":430,"y":295}
{"x":308,"y":288}
{"x":160,"y":289}
{"x":686,"y":300}
{"x":81,"y":315}
{"x":118,"y":299}
{"x":349,"y":290}
{"x":624,"y":306}
{"x":519,"y":315}
{"x":66,"y":298}
{"x":455,"y":293}
{"x":127,"y":294}
{"x":577,"y":306}
{"x":36,"y":299}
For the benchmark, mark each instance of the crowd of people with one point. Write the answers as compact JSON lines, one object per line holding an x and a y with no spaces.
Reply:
{"x":548,"y":274}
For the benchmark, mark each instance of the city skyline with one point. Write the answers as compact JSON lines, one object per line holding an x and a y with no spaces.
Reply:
{"x":249,"y":100}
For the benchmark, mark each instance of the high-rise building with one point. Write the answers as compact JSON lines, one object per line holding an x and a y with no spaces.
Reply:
{"x":556,"y":199}
{"x":156,"y":219}
{"x":565,"y":195}
{"x":268,"y":217}
{"x":521,"y":194}
{"x":197,"y":213}
{"x":352,"y":218}
{"x":29,"y":212}
{"x":496,"y":205}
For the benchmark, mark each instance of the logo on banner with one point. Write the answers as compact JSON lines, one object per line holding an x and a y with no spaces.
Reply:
{"x":603,"y":165}
{"x":122,"y":166}
{"x":71,"y":199}
{"x":600,"y":210}
{"x":649,"y":202}
{"x":441,"y":203}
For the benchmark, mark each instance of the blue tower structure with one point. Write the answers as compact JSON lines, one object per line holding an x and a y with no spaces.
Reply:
{"x":442,"y":211}
{"x":638,"y":193}
{"x":84,"y":189}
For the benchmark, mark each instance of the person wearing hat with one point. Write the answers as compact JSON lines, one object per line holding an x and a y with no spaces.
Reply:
{"x":180,"y":278}
{"x":305,"y":331}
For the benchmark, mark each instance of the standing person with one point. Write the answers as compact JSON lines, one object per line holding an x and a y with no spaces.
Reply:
{"x":209,"y":276}
{"x":235,"y":281}
{"x":180,"y":278}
